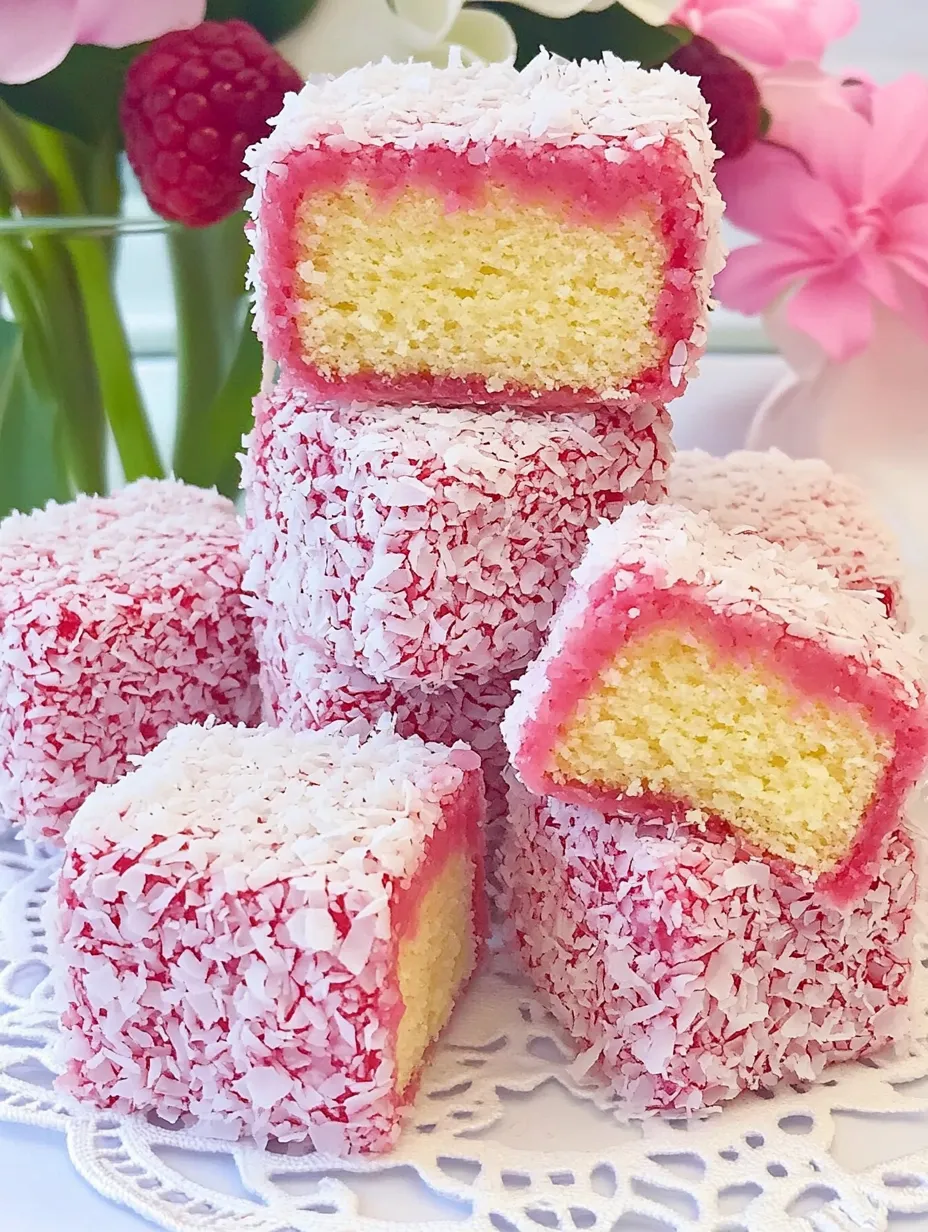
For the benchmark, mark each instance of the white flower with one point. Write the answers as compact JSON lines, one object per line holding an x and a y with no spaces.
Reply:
{"x":339,"y":34}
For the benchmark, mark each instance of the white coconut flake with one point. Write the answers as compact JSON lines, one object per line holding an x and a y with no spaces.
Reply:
{"x":796,"y":503}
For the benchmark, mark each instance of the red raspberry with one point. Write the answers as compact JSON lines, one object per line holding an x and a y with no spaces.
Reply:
{"x":192,"y":104}
{"x":729,"y":89}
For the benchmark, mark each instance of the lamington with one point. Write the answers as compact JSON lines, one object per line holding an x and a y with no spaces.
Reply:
{"x":421,"y":545}
{"x":481,"y":235}
{"x":710,"y":675}
{"x":120,"y":617}
{"x":797,"y":502}
{"x":261,"y":932}
{"x":686,"y":968}
{"x":305,"y":689}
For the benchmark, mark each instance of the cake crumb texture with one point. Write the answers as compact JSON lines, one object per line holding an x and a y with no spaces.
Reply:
{"x":435,"y":960}
{"x":512,"y":291}
{"x":670,"y":713}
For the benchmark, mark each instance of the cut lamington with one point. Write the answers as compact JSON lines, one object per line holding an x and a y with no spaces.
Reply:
{"x":475,"y":234}
{"x":264,"y":931}
{"x":698,"y":673}
{"x":798,"y":503}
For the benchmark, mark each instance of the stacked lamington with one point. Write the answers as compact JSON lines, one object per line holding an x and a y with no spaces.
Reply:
{"x":480,"y":289}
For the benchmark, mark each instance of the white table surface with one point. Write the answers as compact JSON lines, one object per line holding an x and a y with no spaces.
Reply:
{"x":40,"y":1191}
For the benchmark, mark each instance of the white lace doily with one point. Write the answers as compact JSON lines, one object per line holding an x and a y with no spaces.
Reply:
{"x":502,"y":1139}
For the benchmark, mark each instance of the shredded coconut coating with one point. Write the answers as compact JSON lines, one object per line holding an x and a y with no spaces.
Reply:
{"x":796,"y":503}
{"x":304,"y":690}
{"x":420,"y":545}
{"x":689,"y":970}
{"x":226,"y":927}
{"x":739,"y":574}
{"x":550,"y":100}
{"x":120,"y":617}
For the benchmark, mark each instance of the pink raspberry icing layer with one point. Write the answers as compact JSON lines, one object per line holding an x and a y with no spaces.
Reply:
{"x":688,"y":969}
{"x":756,"y":602}
{"x":600,"y":185}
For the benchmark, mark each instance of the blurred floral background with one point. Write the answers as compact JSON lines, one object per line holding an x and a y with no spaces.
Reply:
{"x":826,"y":170}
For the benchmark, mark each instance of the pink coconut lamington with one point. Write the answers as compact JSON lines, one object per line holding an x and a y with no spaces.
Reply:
{"x":423,"y":545}
{"x":699,"y":673}
{"x":120,"y":617}
{"x":304,"y":689}
{"x":262,"y":932}
{"x":468,"y":235}
{"x":688,"y":969}
{"x":798,"y":503}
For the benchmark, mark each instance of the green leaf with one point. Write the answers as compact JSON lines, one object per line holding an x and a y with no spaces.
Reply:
{"x":274,"y":19}
{"x":32,"y":469}
{"x":211,"y":459}
{"x":80,"y":96}
{"x":588,"y":35}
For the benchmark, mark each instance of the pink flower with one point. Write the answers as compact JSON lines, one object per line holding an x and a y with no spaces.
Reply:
{"x":38,"y":34}
{"x":844,"y":218}
{"x":769,"y":32}
{"x":795,"y":95}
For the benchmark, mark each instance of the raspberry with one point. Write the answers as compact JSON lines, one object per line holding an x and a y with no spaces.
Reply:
{"x":729,"y":89}
{"x":192,"y":104}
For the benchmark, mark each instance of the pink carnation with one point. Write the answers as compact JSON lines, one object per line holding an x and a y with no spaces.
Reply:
{"x":843,"y":218}
{"x":769,"y":33}
{"x":38,"y":34}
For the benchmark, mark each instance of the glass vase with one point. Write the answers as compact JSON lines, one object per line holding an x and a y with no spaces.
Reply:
{"x":79,"y":297}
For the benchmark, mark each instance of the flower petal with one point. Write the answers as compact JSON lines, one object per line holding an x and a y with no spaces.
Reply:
{"x":486,"y":35}
{"x":752,"y":36}
{"x":757,"y":274}
{"x":37,"y":35}
{"x":879,"y":278}
{"x":908,"y":245}
{"x":899,"y":141}
{"x":427,"y":22}
{"x":835,"y":18}
{"x":836,"y":311}
{"x":801,"y":98}
{"x":771,"y":193}
{"x":118,"y":23}
{"x":833,"y":143}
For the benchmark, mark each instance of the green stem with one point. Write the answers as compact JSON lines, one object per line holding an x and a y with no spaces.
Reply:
{"x":228,"y":418}
{"x":122,"y":397}
{"x":39,"y":282}
{"x":208,"y":267}
{"x":201,"y":359}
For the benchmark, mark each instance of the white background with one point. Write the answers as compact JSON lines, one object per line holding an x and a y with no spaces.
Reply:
{"x":39,"y":1191}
